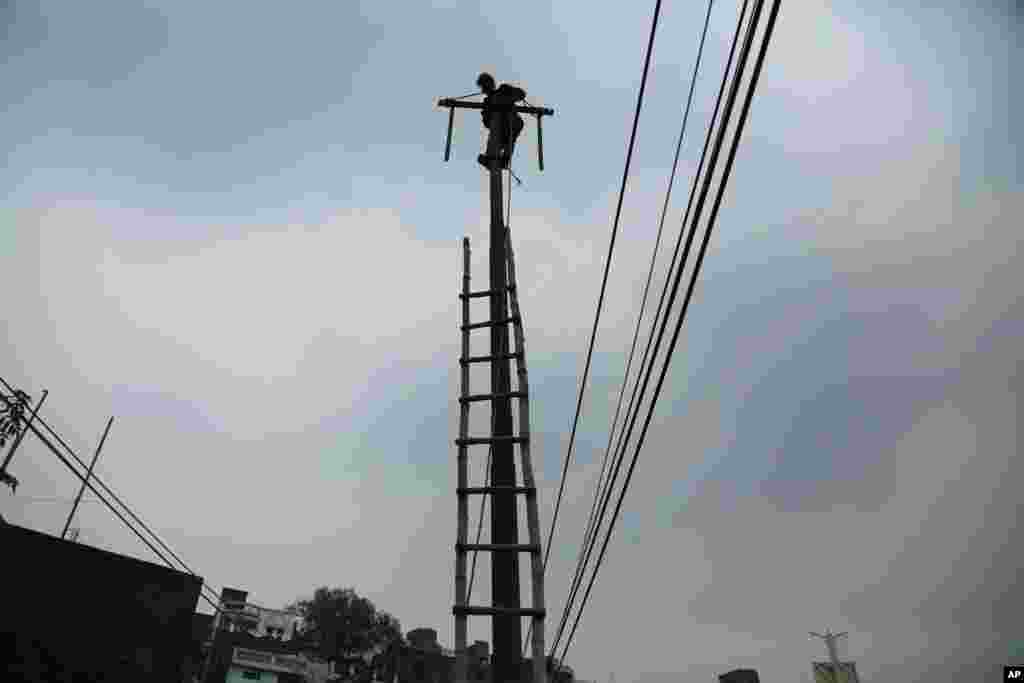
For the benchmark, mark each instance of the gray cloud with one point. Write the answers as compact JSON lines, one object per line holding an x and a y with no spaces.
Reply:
{"x":278,"y":358}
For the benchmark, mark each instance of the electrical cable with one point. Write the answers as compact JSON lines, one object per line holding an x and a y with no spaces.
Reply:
{"x":127,"y":509}
{"x":480,"y":523}
{"x":716,"y":206}
{"x":89,"y":485}
{"x":620,"y":448}
{"x":55,"y":499}
{"x":682,"y":265}
{"x":599,"y":490}
{"x":604,"y":280}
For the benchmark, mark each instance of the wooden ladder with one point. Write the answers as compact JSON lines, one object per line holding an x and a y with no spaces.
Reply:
{"x":463,"y":547}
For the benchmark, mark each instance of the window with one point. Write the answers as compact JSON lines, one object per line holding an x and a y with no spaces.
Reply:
{"x":251,"y":675}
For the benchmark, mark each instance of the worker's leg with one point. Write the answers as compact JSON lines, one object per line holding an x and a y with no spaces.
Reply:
{"x":494,"y":151}
{"x":493,"y":148}
{"x":516,"y":127}
{"x":496,"y":140}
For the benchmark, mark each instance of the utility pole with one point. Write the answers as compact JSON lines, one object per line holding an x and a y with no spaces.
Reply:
{"x":507,"y":630}
{"x":88,"y":475}
{"x":506,"y":612}
{"x":830,"y":643}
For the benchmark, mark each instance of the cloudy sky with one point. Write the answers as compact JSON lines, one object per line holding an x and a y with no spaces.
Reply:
{"x":229,"y":225}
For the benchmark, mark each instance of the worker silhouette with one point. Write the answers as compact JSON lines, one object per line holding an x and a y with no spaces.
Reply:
{"x":504,"y":126}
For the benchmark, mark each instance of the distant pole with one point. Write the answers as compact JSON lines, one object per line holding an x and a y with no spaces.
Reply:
{"x":830,"y":643}
{"x":21,"y":434}
{"x":88,"y":475}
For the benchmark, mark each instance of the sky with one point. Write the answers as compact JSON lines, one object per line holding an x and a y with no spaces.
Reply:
{"x":230,"y":226}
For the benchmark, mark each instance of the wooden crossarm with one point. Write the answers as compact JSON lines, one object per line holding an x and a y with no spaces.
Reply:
{"x":457,"y":104}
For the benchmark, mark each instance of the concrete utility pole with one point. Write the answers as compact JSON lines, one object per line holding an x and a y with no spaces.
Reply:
{"x":506,"y":611}
{"x":507,"y":630}
{"x":830,"y":642}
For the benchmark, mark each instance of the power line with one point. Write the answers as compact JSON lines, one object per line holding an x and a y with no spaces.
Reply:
{"x":106,"y":488}
{"x":620,"y":447}
{"x":54,"y":499}
{"x":89,"y":485}
{"x":480,"y":523}
{"x":701,"y":254}
{"x":592,"y":528}
{"x":604,"y":282}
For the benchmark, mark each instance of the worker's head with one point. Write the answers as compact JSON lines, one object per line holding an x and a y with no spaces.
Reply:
{"x":486,"y":83}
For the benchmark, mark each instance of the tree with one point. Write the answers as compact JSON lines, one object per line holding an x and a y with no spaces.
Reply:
{"x":341,"y":624}
{"x":12,"y":413}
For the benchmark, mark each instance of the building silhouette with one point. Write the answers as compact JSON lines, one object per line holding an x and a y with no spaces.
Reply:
{"x":73,"y":612}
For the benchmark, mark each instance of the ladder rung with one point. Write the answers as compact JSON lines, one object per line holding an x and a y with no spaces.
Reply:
{"x":487,"y":359}
{"x":486,"y":292}
{"x":473,"y":610}
{"x":489,"y":323}
{"x":491,"y":397}
{"x":476,"y":490}
{"x":497,"y":547}
{"x":481,"y":440}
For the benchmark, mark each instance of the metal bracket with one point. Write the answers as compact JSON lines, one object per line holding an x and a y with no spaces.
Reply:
{"x":539,"y":112}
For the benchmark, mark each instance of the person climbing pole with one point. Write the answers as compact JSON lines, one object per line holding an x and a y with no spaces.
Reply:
{"x":504,"y":126}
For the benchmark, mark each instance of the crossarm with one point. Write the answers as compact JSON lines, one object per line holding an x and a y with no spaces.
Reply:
{"x":536,"y":111}
{"x":539,"y":112}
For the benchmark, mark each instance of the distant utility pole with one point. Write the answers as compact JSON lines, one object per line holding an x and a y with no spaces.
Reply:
{"x":830,"y":642}
{"x":88,"y":475}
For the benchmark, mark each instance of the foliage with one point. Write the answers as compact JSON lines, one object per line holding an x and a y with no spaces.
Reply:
{"x":12,"y":412}
{"x":341,"y":624}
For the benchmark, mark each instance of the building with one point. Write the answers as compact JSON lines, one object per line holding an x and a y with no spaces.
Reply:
{"x":73,"y":612}
{"x":420,"y":660}
{"x":247,"y":642}
{"x":239,"y":615}
{"x":239,"y":656}
{"x":201,"y":629}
